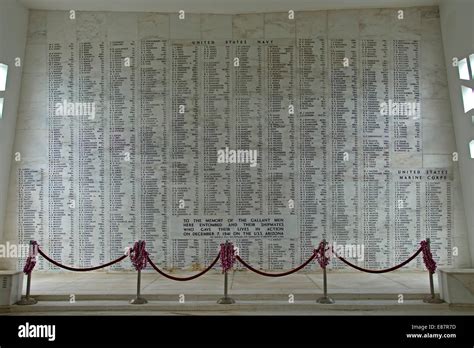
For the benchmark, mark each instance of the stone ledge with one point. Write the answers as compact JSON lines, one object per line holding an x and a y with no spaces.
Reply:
{"x":212,"y":306}
{"x":11,"y":285}
{"x":456,"y":286}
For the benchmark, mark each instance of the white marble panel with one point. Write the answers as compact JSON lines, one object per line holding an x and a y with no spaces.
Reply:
{"x":12,"y":206}
{"x":91,"y":26}
{"x":32,"y":144}
{"x":432,"y":56}
{"x":279,"y":26}
{"x":404,"y":160}
{"x":34,"y":88}
{"x":122,"y":26}
{"x":187,"y":28}
{"x":438,"y":138}
{"x":248,"y":26}
{"x":462,"y":260}
{"x":35,"y":59}
{"x":460,"y":223}
{"x":437,"y":110}
{"x":375,"y":23}
{"x":310,"y":24}
{"x":153,"y":25}
{"x":430,"y":23}
{"x":343,"y":24}
{"x":37,"y":27}
{"x":200,"y":72}
{"x":60,"y":27}
{"x":406,"y":24}
{"x":433,"y":83}
{"x":11,"y":227}
{"x":438,"y":161}
{"x":32,"y":116}
{"x":214,"y":27}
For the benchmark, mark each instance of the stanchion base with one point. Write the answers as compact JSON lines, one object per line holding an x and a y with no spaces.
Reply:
{"x":325,"y":300}
{"x":430,"y":299}
{"x":226,"y":300}
{"x":138,"y":300}
{"x":25,"y":301}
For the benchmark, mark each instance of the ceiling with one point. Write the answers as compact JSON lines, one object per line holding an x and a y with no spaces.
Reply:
{"x":217,"y":6}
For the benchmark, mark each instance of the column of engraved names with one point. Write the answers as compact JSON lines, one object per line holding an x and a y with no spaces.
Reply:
{"x":90,"y":153}
{"x":344,"y":141}
{"x":122,"y":171}
{"x":375,"y":153}
{"x":248,"y":113}
{"x":215,"y":84}
{"x":153,"y":138}
{"x":408,"y":194}
{"x":30,"y":209}
{"x":214,"y":79}
{"x":406,"y":138}
{"x":280,"y":164}
{"x":312,"y":137}
{"x":61,"y":228}
{"x":406,"y":91}
{"x":184,"y":155}
{"x":439,"y":215}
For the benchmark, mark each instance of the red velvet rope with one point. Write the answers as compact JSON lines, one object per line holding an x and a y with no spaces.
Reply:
{"x":380,"y":270}
{"x":141,"y":263}
{"x":184,"y":278}
{"x":79,"y":269}
{"x":275,"y":274}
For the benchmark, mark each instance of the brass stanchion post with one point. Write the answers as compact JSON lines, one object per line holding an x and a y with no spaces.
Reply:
{"x":27,"y":299}
{"x":139,"y":299}
{"x":432,"y":298}
{"x":325,"y":299}
{"x":226,"y":299}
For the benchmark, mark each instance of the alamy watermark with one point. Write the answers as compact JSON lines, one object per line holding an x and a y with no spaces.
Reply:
{"x":400,"y":108}
{"x":237,"y":156}
{"x":11,"y":250}
{"x":75,"y":109}
{"x":347,"y":251}
{"x":28,"y":330}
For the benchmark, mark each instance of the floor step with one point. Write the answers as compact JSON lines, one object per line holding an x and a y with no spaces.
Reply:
{"x":210,"y":306}
{"x":306,"y":296}
{"x":197,"y":307}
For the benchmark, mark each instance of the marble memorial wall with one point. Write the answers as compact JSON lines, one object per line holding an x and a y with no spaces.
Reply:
{"x":161,"y":95}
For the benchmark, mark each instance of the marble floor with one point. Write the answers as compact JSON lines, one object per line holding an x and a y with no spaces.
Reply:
{"x":240,"y":282}
{"x":355,"y":293}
